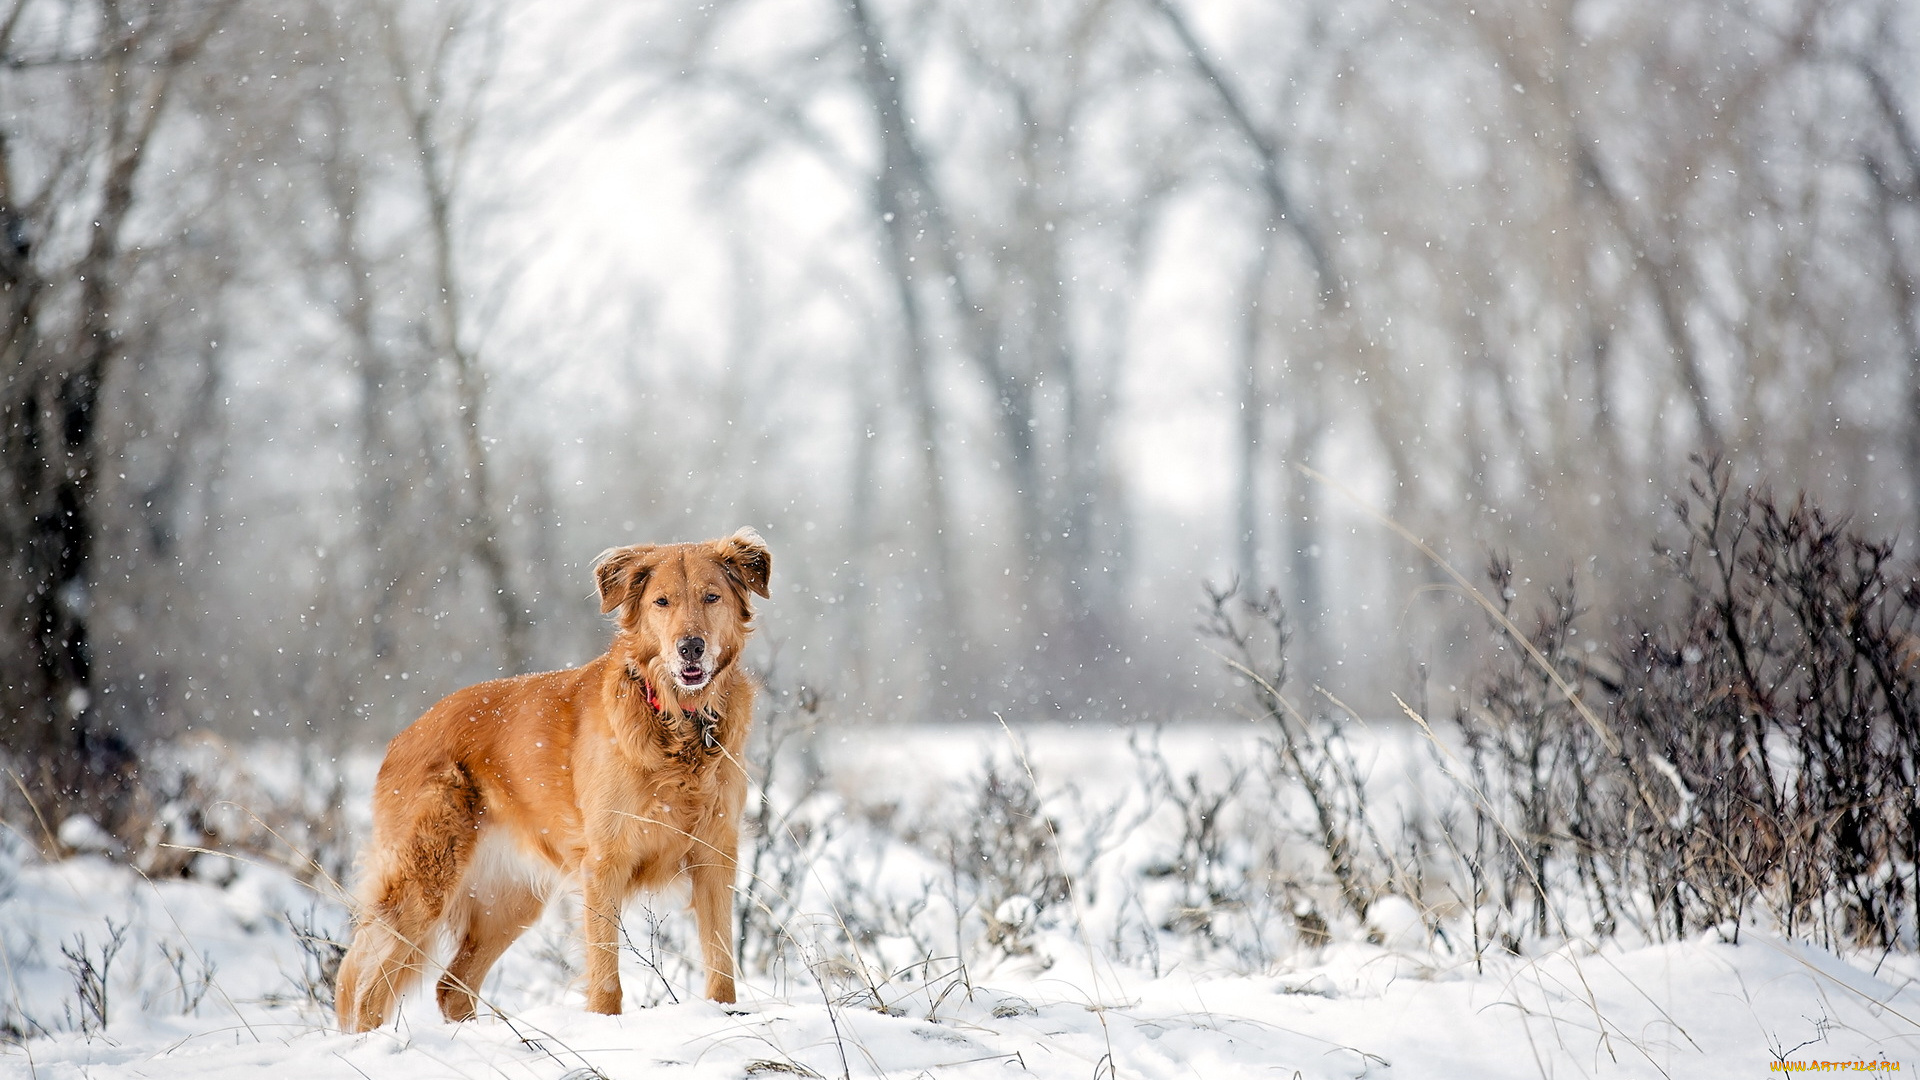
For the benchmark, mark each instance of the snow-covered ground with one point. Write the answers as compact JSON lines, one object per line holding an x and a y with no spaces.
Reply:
{"x":210,"y":980}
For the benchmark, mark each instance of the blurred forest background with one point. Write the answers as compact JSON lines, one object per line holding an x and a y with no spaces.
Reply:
{"x":338,"y":336}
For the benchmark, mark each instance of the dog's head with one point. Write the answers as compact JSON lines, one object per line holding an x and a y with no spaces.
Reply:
{"x":685,"y":605}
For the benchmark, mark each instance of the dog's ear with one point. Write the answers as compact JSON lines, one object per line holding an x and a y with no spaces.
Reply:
{"x":619,"y":571}
{"x":746,"y":559}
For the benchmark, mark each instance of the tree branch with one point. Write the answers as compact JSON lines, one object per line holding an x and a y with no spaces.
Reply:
{"x":1267,"y":148}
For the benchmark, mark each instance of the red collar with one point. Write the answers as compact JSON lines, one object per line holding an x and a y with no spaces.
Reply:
{"x":647,"y":692}
{"x":703,"y":719}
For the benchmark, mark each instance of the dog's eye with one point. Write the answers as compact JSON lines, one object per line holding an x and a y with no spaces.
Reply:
{"x":713,"y":598}
{"x":661,"y":601}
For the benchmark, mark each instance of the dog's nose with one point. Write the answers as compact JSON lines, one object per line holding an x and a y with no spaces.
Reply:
{"x":692,"y":648}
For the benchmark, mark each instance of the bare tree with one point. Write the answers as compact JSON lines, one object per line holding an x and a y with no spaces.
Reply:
{"x":1304,"y":403}
{"x":999,"y":258}
{"x":108,"y":72}
{"x":440,"y":61}
{"x":1894,"y":169}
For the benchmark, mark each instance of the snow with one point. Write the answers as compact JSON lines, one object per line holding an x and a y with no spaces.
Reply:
{"x":209,"y":983}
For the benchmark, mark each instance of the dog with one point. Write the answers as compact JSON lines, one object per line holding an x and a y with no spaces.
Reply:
{"x":621,"y":775}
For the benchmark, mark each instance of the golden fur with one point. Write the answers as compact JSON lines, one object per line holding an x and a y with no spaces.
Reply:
{"x":620,"y":775}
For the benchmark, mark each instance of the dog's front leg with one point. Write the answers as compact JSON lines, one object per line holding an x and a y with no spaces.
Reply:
{"x":601,"y":893}
{"x":713,"y":877}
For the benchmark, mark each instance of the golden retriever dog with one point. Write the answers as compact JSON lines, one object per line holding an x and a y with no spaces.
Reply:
{"x":621,"y":775}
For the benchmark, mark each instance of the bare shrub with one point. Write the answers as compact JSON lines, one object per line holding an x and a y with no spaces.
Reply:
{"x":1759,"y":751}
{"x":1009,"y":854}
{"x":1784,"y":709}
{"x":193,"y":972}
{"x":320,"y":956}
{"x":1208,"y":880}
{"x":90,"y":968}
{"x":783,"y":841}
{"x":1306,"y":752}
{"x":1539,"y":779}
{"x":649,"y":953}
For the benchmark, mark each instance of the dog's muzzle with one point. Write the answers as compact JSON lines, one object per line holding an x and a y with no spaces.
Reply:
{"x":693,"y":670}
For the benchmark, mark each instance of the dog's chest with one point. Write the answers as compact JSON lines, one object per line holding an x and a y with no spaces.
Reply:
{"x":688,"y":741}
{"x":669,"y":802}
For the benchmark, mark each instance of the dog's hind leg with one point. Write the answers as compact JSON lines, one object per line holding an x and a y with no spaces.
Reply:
{"x":387,"y":955}
{"x":417,"y":867}
{"x":484,"y":924}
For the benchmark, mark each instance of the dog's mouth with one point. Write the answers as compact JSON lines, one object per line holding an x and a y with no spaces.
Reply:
{"x":691,"y":676}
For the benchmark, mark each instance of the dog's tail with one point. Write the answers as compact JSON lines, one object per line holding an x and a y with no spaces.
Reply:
{"x":419,"y":857}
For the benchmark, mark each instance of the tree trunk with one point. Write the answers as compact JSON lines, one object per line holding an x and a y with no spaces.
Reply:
{"x":438,"y":176}
{"x":1889,"y":194}
{"x":909,"y":210}
{"x":1252,"y":408}
{"x":52,"y":447}
{"x":1303,"y":532}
